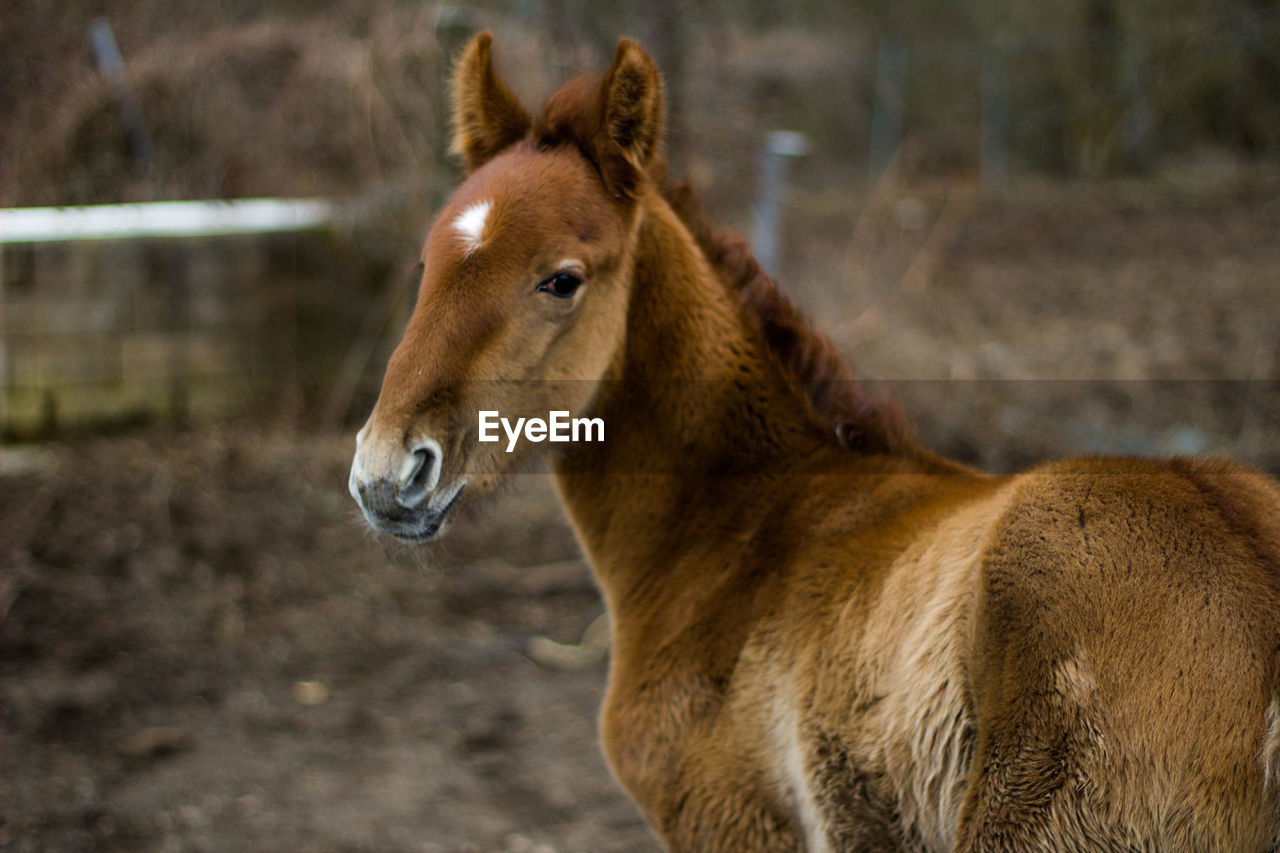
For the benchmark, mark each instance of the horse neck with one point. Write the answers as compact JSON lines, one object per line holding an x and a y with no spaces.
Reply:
{"x":693,"y":402}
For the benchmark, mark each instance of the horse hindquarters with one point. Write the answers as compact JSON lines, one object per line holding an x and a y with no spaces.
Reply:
{"x":1124,"y":670}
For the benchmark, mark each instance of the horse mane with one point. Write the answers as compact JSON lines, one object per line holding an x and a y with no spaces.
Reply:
{"x":807,"y":358}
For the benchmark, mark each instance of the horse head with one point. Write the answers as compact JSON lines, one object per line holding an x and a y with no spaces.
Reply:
{"x":526,"y":279}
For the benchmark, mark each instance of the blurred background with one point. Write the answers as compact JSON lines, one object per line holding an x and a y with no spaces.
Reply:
{"x":1047,"y":229}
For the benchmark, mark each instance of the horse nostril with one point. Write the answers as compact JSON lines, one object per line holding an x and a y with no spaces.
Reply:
{"x":419,"y":474}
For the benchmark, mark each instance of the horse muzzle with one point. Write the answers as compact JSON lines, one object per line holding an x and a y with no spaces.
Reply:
{"x":398,"y":488}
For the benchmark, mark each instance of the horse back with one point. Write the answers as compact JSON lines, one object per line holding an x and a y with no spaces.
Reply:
{"x":1123,"y":667}
{"x":1082,"y":656}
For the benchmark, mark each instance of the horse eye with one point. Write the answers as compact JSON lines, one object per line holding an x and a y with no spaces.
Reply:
{"x":562,"y":284}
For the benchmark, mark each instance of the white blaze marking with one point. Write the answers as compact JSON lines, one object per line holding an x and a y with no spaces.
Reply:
{"x":470,"y":224}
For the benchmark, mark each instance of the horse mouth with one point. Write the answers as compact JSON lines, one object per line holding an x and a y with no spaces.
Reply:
{"x":430,"y":523}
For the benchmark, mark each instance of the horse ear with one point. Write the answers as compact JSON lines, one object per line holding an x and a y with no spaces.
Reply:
{"x":631,"y":119}
{"x":486,"y":116}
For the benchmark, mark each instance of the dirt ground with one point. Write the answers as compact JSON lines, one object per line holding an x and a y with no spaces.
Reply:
{"x":202,"y":649}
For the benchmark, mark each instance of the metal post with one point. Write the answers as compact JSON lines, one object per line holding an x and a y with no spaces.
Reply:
{"x":112,"y":65}
{"x":886,"y":114}
{"x":6,"y":381}
{"x":780,"y":146}
{"x":1136,"y":124}
{"x":993,"y":154}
